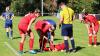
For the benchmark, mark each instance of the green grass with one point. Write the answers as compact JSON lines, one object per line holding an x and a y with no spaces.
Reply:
{"x":80,"y":35}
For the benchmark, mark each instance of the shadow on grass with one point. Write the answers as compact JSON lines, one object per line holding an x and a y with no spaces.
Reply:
{"x":16,"y":37}
{"x":78,"y":48}
{"x":57,"y":39}
{"x":98,"y":43}
{"x":37,"y":50}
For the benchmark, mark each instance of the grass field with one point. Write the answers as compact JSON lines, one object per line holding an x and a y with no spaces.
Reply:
{"x":10,"y":47}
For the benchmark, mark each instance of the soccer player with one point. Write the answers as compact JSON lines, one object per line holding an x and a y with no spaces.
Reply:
{"x":57,"y":47}
{"x":92,"y":26}
{"x":45,"y":30}
{"x":8,"y":16}
{"x":65,"y":22}
{"x":24,"y":29}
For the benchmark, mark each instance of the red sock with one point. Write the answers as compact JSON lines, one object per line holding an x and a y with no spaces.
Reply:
{"x":95,"y":40}
{"x":90,"y":40}
{"x":31,"y":42}
{"x":21,"y":46}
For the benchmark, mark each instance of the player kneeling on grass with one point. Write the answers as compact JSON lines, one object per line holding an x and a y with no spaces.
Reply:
{"x":92,"y":27}
{"x":45,"y":30}
{"x":24,"y":29}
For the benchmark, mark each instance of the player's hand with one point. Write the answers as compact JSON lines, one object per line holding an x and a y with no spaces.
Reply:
{"x":94,"y":32}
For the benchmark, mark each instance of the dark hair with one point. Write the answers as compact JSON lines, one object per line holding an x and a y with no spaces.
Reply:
{"x":86,"y":13}
{"x":59,"y":2}
{"x":35,"y":10}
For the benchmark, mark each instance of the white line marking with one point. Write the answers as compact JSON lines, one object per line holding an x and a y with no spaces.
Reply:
{"x":12,"y":49}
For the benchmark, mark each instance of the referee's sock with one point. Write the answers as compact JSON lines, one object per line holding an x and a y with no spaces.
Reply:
{"x":73,"y":44}
{"x":66,"y":45}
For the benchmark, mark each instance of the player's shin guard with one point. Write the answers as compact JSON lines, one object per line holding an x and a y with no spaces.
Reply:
{"x":73,"y":44}
{"x":31,"y":43}
{"x":21,"y":46}
{"x":90,"y":40}
{"x":95,"y":40}
{"x":66,"y":45}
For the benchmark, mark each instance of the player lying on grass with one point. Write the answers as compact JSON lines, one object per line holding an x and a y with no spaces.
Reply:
{"x":45,"y":29}
{"x":8,"y":16}
{"x":92,"y":26}
{"x":58,"y":47}
{"x":24,"y":29}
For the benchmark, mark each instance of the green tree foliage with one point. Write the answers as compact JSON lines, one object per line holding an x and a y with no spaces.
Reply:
{"x":21,"y":7}
{"x":96,"y":6}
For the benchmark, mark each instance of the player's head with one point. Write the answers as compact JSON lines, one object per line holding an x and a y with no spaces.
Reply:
{"x":52,"y":28}
{"x":7,"y":9}
{"x":61,"y":2}
{"x":37,"y":12}
{"x":86,"y":13}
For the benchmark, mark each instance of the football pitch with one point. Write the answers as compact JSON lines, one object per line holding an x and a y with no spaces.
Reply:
{"x":10,"y":47}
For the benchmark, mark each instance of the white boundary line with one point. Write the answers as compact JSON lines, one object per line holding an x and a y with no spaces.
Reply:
{"x":12,"y":49}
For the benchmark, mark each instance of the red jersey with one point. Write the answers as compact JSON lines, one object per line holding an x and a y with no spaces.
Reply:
{"x":24,"y":22}
{"x":91,"y":19}
{"x":26,"y":19}
{"x":42,"y":25}
{"x":60,"y":46}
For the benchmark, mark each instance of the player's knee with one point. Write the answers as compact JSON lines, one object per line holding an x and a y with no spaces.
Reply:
{"x":90,"y":34}
{"x":7,"y":29}
{"x":71,"y":38}
{"x":65,"y":37}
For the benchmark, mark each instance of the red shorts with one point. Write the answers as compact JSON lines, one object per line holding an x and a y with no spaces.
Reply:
{"x":96,"y":28}
{"x":23,"y":29}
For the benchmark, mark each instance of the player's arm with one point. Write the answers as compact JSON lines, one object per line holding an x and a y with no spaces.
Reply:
{"x":1,"y":17}
{"x":87,"y":26}
{"x":73,"y":16}
{"x":12,"y":16}
{"x":93,"y":28}
{"x":32,"y":20}
{"x":61,"y":20}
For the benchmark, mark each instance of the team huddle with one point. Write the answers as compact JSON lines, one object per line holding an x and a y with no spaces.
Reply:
{"x":46,"y":29}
